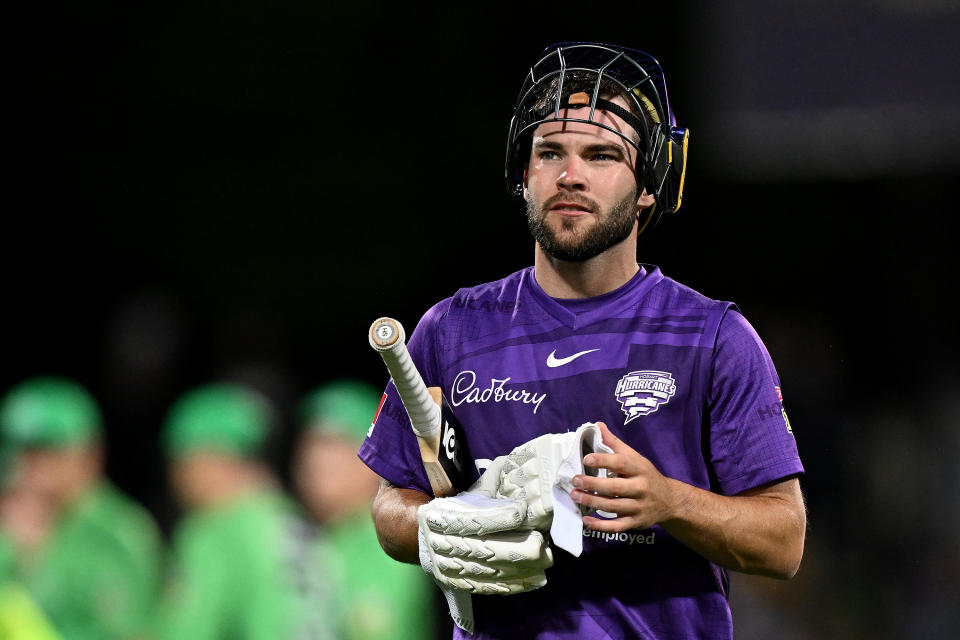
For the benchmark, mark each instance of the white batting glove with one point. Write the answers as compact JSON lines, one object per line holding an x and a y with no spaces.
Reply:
{"x":539,"y":472}
{"x":472,"y":543}
{"x":489,"y":539}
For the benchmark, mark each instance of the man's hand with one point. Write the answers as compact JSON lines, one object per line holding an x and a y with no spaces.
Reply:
{"x":27,"y":518}
{"x":472,"y":543}
{"x":636,"y":491}
{"x":759,"y":531}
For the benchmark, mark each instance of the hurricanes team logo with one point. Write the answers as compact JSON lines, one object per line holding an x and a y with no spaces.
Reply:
{"x":640,"y":393}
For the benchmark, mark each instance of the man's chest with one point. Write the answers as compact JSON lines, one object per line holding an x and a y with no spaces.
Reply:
{"x":650,"y":392}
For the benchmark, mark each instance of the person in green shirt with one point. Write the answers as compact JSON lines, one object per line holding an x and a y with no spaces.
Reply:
{"x":247,"y":566}
{"x":81,"y":552}
{"x":379,"y":597}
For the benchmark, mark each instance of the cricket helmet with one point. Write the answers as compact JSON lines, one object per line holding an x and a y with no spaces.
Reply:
{"x":580,"y":78}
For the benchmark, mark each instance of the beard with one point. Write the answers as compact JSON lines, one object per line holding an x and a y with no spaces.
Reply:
{"x":573,"y":244}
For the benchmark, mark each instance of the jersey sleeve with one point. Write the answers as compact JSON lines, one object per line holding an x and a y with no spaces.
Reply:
{"x":390,"y":448}
{"x":751,"y":440}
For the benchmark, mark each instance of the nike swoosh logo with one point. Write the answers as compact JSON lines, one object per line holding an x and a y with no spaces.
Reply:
{"x":554,"y":361}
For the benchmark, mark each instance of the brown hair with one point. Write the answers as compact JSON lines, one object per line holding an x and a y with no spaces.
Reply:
{"x":577,"y":81}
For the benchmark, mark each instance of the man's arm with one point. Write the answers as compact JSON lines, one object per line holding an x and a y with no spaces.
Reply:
{"x":759,"y":531}
{"x":395,"y":517}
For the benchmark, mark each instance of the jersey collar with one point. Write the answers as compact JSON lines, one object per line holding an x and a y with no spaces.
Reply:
{"x":581,"y":312}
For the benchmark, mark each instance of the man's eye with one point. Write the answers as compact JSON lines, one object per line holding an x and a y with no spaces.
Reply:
{"x":549,"y":155}
{"x":605,"y":157}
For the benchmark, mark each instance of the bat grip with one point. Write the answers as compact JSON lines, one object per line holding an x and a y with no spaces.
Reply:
{"x":423,"y":411}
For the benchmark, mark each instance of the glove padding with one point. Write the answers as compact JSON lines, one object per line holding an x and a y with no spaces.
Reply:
{"x":473,"y":543}
{"x":536,"y":471}
{"x":489,"y":539}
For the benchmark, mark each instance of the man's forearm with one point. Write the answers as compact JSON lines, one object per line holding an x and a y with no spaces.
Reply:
{"x":395,"y":517}
{"x":760,"y":531}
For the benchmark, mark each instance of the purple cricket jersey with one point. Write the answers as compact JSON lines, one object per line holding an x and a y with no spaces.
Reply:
{"x":681,"y":378}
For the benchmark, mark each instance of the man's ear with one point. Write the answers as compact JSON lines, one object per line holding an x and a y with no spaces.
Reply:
{"x":644,"y":201}
{"x":525,"y":195}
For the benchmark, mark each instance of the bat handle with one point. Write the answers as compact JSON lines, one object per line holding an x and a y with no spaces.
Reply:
{"x":387,"y":337}
{"x":386,"y":334}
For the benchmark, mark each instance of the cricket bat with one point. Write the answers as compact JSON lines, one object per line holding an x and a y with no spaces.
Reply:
{"x":439,"y":433}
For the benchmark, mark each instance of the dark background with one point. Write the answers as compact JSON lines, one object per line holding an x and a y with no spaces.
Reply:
{"x":240,"y":188}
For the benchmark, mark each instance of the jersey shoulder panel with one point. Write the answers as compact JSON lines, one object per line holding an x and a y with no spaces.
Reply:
{"x":498,"y":296}
{"x":670,"y":294}
{"x":679,"y":302}
{"x":474,"y":312}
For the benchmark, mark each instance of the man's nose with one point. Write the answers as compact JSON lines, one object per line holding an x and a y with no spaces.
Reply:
{"x":573,"y":176}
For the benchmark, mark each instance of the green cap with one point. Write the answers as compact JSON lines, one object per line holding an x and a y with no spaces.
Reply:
{"x":49,"y":412}
{"x":228,"y":418}
{"x":346,"y":407}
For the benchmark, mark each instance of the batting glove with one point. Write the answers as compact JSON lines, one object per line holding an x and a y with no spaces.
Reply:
{"x":472,"y":543}
{"x":539,"y":473}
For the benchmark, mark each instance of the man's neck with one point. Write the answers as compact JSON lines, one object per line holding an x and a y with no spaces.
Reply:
{"x":594,"y":277}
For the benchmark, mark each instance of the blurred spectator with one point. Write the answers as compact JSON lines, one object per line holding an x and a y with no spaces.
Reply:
{"x":20,"y":618}
{"x":246,"y":565}
{"x":85,"y":554}
{"x":380,"y":598}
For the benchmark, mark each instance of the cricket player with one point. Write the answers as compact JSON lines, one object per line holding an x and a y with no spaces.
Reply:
{"x":246,"y":564}
{"x":87,"y":556}
{"x":698,"y":472}
{"x":378,"y":599}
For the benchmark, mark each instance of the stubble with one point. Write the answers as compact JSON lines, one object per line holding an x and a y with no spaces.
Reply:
{"x":571,"y":240}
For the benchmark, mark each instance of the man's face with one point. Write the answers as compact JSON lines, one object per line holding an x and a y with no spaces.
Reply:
{"x":581,"y":188}
{"x":330,"y":479}
{"x":58,"y":474}
{"x":198,"y":478}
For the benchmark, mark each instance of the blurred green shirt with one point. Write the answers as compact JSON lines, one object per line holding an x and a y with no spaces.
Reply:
{"x":380,"y":598}
{"x":97,"y":576}
{"x":249,"y":569}
{"x":20,"y":618}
